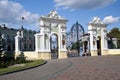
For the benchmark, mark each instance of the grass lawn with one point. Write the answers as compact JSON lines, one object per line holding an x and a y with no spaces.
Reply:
{"x":25,"y":66}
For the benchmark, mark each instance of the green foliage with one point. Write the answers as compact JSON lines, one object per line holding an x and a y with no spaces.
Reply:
{"x":115,"y":33}
{"x":28,"y":64}
{"x":20,"y":59}
{"x":118,"y":43}
{"x":76,"y":46}
{"x":5,"y":63}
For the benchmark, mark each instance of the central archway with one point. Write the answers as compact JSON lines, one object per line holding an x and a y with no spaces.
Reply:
{"x":54,"y":46}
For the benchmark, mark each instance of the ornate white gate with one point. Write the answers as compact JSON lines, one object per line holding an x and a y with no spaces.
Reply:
{"x":49,"y":25}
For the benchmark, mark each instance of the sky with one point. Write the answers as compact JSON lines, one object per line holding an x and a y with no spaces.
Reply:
{"x":82,"y":11}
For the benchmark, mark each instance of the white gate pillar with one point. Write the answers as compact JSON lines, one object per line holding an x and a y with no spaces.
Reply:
{"x":104,"y":44}
{"x":17,"y":42}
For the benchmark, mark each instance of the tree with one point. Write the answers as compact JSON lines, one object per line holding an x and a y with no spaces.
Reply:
{"x":76,"y":46}
{"x":115,"y":33}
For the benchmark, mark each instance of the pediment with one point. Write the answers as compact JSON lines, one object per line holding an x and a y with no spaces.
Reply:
{"x":53,"y":14}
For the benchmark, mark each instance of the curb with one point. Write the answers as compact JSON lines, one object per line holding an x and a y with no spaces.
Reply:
{"x":23,"y":69}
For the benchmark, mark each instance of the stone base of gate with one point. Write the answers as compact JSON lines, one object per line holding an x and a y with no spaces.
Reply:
{"x":62,"y":54}
{"x":44,"y":55}
{"x":94,"y":53}
{"x":28,"y":55}
{"x":104,"y":52}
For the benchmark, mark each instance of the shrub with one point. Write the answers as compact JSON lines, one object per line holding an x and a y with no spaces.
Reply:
{"x":20,"y":59}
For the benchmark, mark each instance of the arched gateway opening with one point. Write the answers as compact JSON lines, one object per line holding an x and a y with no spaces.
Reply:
{"x":54,"y":46}
{"x":99,"y":45}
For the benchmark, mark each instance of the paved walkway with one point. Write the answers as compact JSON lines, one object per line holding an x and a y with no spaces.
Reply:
{"x":77,"y":68}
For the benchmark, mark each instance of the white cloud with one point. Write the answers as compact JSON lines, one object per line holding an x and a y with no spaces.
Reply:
{"x":11,"y":13}
{"x":82,"y":4}
{"x":111,"y":19}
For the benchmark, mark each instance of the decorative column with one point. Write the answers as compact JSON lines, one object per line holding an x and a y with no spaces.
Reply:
{"x":104,"y":45}
{"x":88,"y":46}
{"x":39,"y":42}
{"x":46,"y":42}
{"x":37,"y":45}
{"x":83,"y":47}
{"x":93,"y":40}
{"x":62,"y":44}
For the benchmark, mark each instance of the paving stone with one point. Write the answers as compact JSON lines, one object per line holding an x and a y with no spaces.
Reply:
{"x":77,"y":68}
